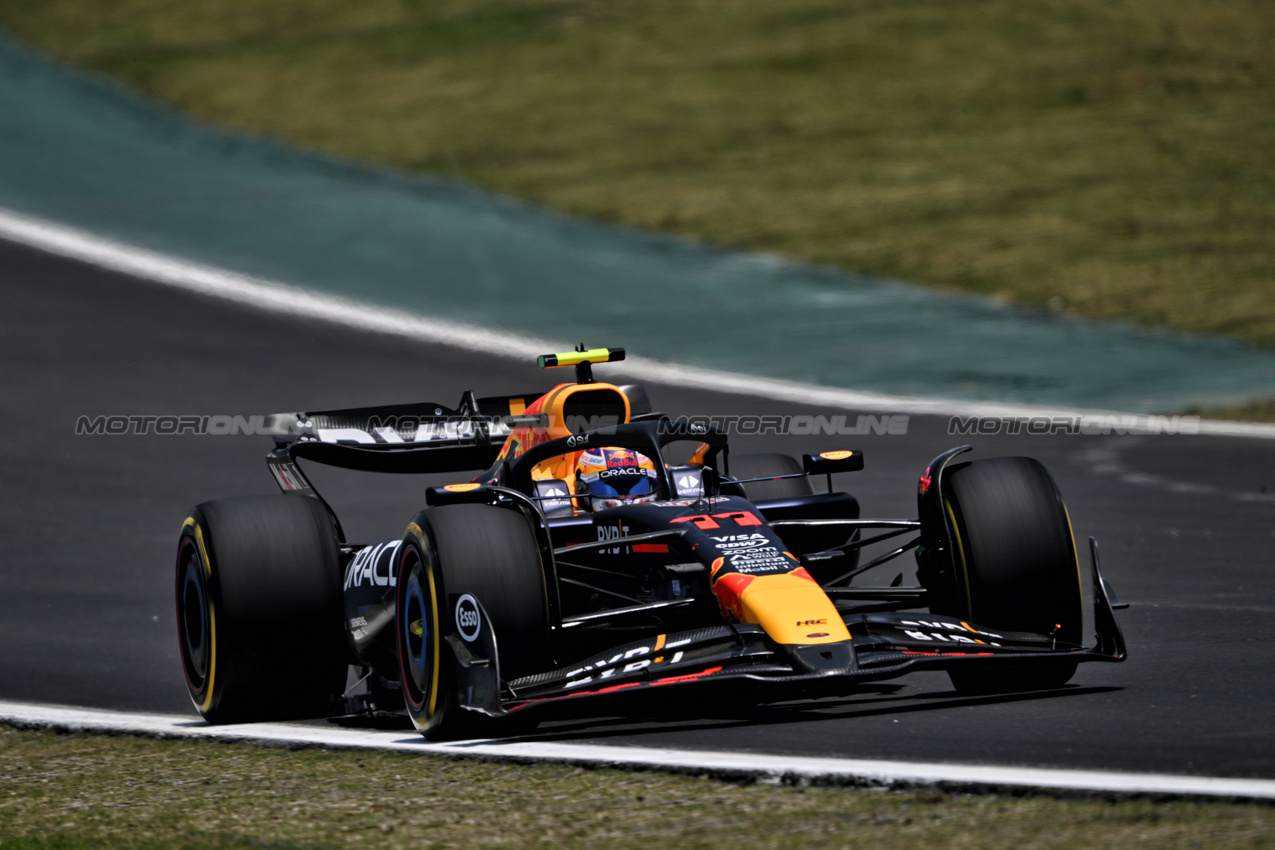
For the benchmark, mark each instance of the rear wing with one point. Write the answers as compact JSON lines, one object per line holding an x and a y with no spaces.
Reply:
{"x":424,"y":437}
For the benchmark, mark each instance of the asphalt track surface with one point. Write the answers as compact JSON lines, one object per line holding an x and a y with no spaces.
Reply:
{"x":88,"y":526}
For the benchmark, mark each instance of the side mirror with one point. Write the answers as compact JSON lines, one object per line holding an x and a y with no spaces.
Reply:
{"x":826,"y":463}
{"x":639,"y":404}
{"x":554,"y":497}
{"x":711,"y":482}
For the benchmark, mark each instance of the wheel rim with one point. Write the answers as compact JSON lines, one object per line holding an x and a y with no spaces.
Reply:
{"x":193,"y":621}
{"x":415,"y":631}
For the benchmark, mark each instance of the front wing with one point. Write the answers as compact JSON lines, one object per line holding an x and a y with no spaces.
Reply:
{"x":882,"y":645}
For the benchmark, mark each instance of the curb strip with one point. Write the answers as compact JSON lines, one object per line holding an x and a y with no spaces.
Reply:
{"x":730,"y":766}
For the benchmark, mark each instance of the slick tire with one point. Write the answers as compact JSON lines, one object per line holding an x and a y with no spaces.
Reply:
{"x":492,"y":553}
{"x":259,"y":609}
{"x":760,"y":466}
{"x":1016,"y":566}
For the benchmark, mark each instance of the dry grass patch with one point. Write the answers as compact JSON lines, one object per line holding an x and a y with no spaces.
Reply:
{"x":59,"y":791}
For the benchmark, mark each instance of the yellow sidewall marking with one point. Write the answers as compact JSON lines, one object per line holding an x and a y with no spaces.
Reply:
{"x":965,"y":569}
{"x":1080,"y":585}
{"x":434,"y":636}
{"x":414,"y":531}
{"x":212,"y":618}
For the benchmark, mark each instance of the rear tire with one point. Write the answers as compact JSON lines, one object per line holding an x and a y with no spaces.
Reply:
{"x":259,"y":609}
{"x":1016,"y":566}
{"x":762,"y":466}
{"x":492,"y":553}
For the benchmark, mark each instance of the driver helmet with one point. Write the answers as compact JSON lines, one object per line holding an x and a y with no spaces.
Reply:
{"x":609,"y":477}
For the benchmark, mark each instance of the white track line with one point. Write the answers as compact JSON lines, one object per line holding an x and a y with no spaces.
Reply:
{"x":275,"y":297}
{"x":786,"y":770}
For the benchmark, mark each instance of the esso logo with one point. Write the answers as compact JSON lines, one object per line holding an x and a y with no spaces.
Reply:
{"x":468,"y":620}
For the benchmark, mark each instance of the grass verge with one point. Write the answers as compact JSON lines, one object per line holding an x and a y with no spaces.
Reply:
{"x":67,"y":791}
{"x":1110,"y":158}
{"x":1261,"y":410}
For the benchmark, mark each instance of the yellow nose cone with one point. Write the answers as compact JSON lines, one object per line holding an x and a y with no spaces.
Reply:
{"x":792,"y":608}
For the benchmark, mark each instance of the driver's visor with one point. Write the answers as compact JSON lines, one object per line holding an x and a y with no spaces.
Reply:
{"x":628,"y":486}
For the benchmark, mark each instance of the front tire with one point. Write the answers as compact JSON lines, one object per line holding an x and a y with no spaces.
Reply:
{"x":259,"y":609}
{"x":1016,"y":566}
{"x":487,"y":551}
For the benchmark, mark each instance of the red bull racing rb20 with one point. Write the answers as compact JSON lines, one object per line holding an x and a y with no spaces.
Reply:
{"x":592,"y":547}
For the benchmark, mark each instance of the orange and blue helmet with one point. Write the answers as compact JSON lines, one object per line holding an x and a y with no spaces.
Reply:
{"x":610,"y":476}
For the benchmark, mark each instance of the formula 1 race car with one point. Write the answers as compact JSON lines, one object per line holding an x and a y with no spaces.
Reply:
{"x":605,"y":548}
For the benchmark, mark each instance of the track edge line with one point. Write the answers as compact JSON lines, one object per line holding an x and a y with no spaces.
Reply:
{"x":280,"y":298}
{"x":799,"y":771}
